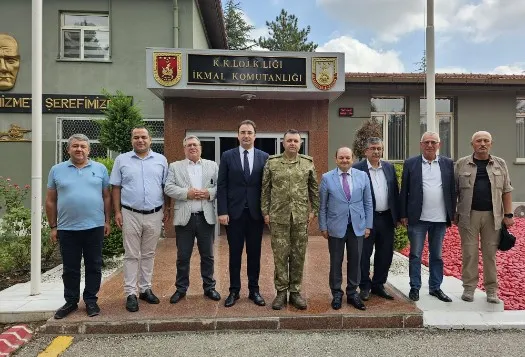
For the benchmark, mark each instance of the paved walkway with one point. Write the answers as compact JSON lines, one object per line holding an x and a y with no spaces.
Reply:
{"x":196,"y":312}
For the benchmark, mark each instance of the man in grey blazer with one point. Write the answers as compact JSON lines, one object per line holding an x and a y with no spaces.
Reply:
{"x":192,"y":182}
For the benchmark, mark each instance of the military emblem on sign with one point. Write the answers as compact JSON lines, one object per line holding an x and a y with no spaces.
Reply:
{"x":324,"y":72}
{"x":167,"y":68}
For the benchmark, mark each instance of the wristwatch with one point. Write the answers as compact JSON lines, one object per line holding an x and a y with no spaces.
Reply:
{"x":508,"y":215}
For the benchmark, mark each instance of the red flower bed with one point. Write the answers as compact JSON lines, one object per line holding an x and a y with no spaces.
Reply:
{"x":511,"y":264}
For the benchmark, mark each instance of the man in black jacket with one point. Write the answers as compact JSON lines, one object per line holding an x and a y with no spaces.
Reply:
{"x":385,"y":199}
{"x":239,"y":209}
{"x":428,"y":205}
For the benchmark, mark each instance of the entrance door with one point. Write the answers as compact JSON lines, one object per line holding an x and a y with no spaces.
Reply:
{"x":215,"y":143}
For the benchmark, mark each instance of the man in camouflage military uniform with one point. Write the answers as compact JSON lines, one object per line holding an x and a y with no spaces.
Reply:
{"x":289,"y":200}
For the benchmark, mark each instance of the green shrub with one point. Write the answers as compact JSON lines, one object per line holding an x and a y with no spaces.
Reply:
{"x":369,"y":129}
{"x":113,"y":244}
{"x":401,"y":234}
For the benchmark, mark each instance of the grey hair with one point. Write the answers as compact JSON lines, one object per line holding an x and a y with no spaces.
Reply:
{"x":77,"y":137}
{"x":432,"y":133}
{"x":373,"y":141}
{"x":189,"y":137}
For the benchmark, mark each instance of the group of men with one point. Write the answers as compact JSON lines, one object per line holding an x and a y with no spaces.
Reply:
{"x":358,"y":207}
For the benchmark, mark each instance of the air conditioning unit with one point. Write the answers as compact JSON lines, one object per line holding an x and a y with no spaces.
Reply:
{"x":520,"y":211}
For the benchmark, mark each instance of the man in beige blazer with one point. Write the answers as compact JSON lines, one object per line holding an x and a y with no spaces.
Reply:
{"x":192,"y":182}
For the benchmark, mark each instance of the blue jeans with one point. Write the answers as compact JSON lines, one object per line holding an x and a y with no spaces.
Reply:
{"x":417,"y":234}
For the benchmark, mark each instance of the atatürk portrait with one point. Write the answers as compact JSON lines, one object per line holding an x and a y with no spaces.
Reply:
{"x":9,"y":61}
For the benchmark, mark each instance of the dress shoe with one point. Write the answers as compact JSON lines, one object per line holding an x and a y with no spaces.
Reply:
{"x":364,"y":294}
{"x":256,"y":298}
{"x":337,"y":301}
{"x":231,"y":299}
{"x":280,"y":300}
{"x":212,"y":294}
{"x":92,"y":309}
{"x":413,"y":294}
{"x":356,"y":302}
{"x":175,"y":298}
{"x":132,"y":304}
{"x":297,"y":301}
{"x":65,"y":310}
{"x":149,"y":297}
{"x":467,"y":295}
{"x":381,"y":292}
{"x":440,"y":295}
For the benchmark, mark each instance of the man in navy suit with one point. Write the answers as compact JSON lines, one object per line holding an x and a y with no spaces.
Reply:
{"x":385,"y":198}
{"x":428,"y":205}
{"x":345,"y":218}
{"x":239,"y":209}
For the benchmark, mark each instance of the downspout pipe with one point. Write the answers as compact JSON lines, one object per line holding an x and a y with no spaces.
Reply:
{"x":431,"y":69}
{"x":175,"y":23}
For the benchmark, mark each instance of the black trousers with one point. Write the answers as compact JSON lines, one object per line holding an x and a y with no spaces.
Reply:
{"x":336,"y":247}
{"x":73,"y":246}
{"x":197,"y":227}
{"x":245,"y":229}
{"x":382,"y":236}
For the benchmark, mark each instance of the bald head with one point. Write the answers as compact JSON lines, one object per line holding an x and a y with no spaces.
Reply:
{"x":9,"y":61}
{"x":481,"y":133}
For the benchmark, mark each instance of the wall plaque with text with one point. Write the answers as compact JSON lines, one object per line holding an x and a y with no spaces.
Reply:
{"x":346,"y":112}
{"x":247,"y":70}
{"x":55,"y":103}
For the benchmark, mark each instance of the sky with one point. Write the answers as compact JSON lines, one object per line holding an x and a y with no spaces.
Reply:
{"x":472,"y":36}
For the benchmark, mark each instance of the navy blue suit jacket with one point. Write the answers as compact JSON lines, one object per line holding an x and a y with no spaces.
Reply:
{"x":412,"y":188}
{"x":393,"y":187}
{"x":233,"y":190}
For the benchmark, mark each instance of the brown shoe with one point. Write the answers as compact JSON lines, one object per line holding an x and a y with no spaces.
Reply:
{"x":280,"y":300}
{"x":297,"y":301}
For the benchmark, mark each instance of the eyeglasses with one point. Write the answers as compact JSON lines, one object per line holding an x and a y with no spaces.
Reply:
{"x":430,"y":142}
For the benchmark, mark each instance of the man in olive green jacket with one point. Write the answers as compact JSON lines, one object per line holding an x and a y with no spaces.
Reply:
{"x":289,"y":202}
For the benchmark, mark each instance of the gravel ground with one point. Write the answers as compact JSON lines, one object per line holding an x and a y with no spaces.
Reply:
{"x":412,"y":343}
{"x":111,"y":266}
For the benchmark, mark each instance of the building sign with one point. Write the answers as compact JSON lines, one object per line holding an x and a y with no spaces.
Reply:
{"x":324,"y":72}
{"x":346,"y":112}
{"x":167,"y":68}
{"x":55,"y":103}
{"x":247,"y":70}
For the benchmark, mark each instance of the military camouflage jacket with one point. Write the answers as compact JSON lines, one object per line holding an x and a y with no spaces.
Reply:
{"x":289,"y":188}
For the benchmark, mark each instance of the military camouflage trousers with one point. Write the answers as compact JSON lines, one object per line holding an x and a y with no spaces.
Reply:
{"x":289,"y":243}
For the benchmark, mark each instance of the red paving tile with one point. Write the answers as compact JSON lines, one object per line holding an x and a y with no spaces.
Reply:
{"x":196,"y":312}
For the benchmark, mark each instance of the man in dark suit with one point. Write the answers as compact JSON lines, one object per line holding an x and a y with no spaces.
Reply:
{"x":239,"y":209}
{"x":428,"y":205}
{"x":385,"y":199}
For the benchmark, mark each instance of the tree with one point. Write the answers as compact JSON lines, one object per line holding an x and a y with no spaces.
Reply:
{"x":286,"y":36}
{"x":121,"y":117}
{"x":237,"y":29}
{"x":422,"y":64}
{"x":369,"y":129}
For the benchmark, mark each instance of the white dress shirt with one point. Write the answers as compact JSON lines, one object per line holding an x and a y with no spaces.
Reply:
{"x":433,"y":199}
{"x":195,"y":174}
{"x":251,"y":153}
{"x":380,"y":186}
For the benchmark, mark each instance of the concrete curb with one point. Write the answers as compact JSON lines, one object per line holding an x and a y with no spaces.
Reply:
{"x":14,"y":338}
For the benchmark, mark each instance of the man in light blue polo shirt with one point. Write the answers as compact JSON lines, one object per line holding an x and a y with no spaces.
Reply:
{"x":140,"y":206}
{"x":78,"y":207}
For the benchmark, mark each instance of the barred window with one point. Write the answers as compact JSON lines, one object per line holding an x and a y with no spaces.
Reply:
{"x":520,"y":128}
{"x":67,"y":126}
{"x":85,"y":36}
{"x":445,"y":115}
{"x":390,"y":113}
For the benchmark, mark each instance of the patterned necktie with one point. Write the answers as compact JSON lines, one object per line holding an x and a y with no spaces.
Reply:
{"x":346,"y":187}
{"x":246,"y":165}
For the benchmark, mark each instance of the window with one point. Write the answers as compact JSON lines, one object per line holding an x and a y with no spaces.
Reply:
{"x":520,"y":128}
{"x":445,"y":115}
{"x":391,"y":114}
{"x":67,"y":126}
{"x":84,"y":37}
